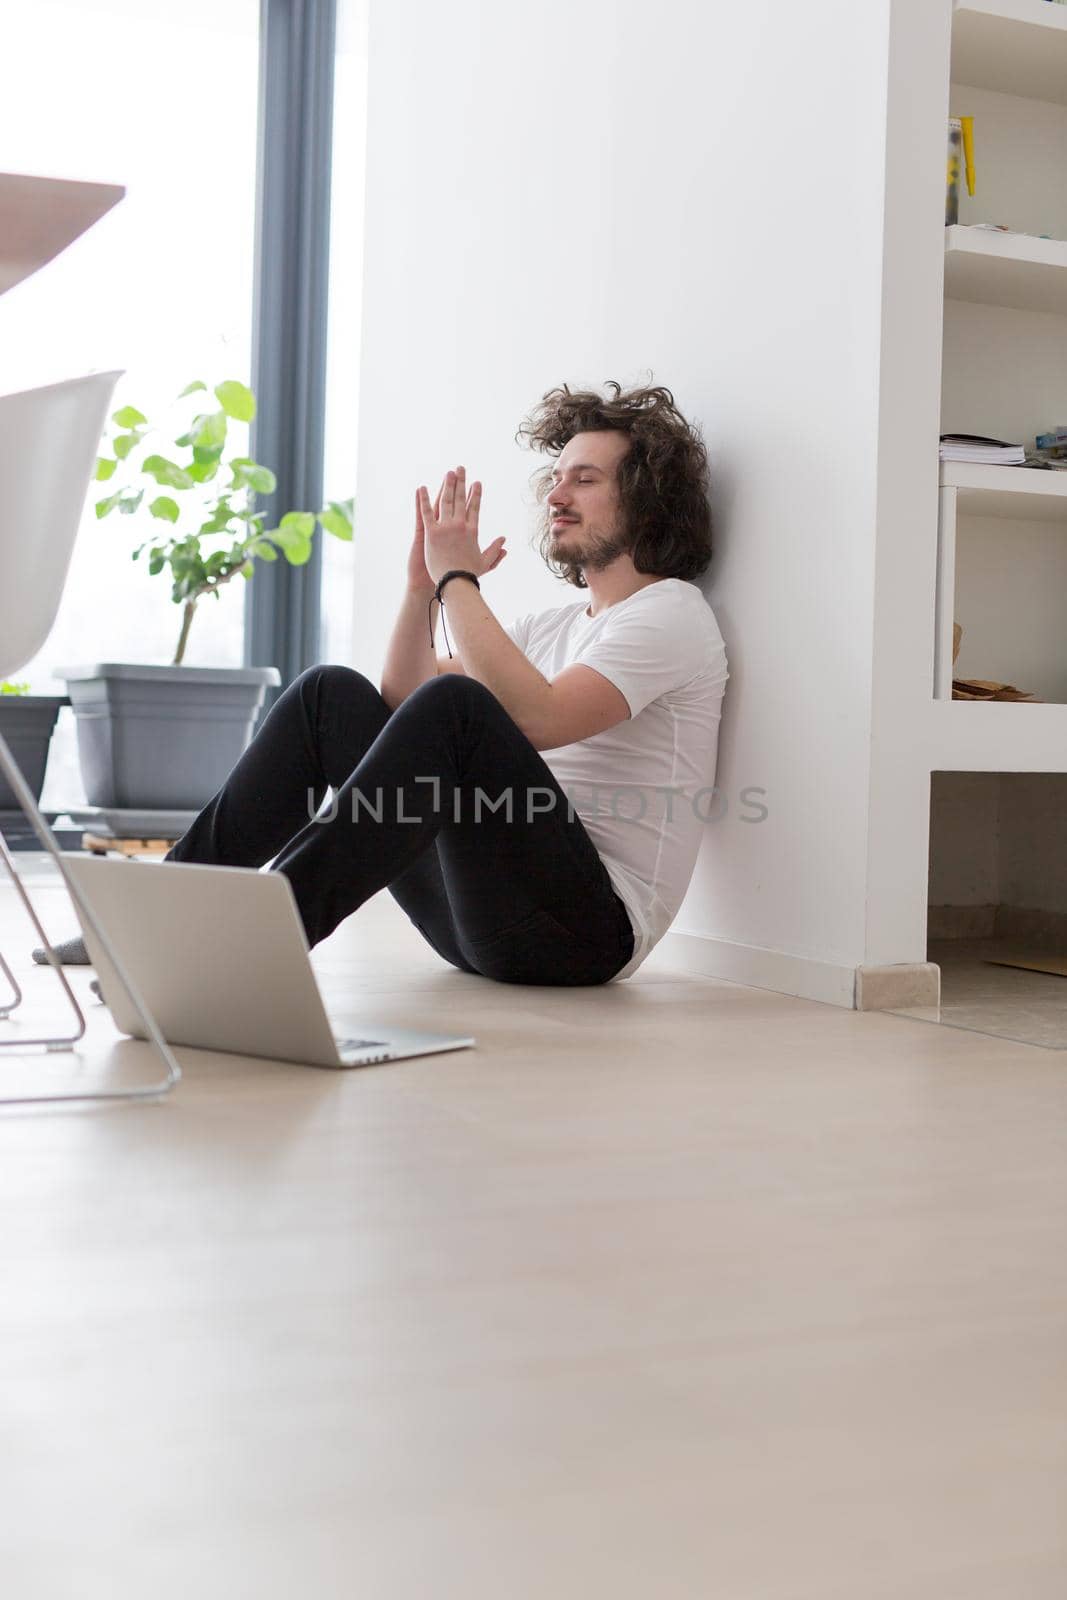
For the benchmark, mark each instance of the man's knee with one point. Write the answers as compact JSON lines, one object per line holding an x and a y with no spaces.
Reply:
{"x":330,"y":677}
{"x":451,"y":688}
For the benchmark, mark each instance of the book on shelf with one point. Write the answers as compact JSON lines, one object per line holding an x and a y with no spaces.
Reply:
{"x":975,"y":447}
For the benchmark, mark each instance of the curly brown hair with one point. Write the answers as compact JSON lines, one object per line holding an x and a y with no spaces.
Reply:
{"x":662,"y":478}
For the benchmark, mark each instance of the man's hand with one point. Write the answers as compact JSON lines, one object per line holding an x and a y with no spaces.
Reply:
{"x":419,"y":580}
{"x":447,"y":532}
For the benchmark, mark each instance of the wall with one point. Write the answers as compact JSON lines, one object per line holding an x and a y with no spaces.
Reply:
{"x":593,"y":190}
{"x":999,"y":838}
{"x":905,"y":733}
{"x":965,"y":839}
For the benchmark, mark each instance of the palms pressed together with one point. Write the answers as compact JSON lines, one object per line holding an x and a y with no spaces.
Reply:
{"x":454,"y":514}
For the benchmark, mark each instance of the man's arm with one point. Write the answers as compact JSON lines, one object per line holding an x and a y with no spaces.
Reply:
{"x":410,"y":658}
{"x":576,"y":704}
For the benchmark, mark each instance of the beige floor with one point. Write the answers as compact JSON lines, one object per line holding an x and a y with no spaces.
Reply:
{"x":666,"y":1291}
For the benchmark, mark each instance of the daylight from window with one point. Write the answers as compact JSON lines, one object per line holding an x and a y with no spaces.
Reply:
{"x":342,"y":353}
{"x":161,"y":99}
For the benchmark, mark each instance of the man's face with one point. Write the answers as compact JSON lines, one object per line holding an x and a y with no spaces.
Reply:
{"x":582,"y":507}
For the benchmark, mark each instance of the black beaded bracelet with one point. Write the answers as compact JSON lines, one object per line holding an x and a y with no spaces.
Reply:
{"x":456,"y":573}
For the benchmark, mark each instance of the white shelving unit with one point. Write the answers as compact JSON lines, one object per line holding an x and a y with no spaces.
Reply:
{"x":978,"y":736}
{"x":1015,"y":494}
{"x":1013,"y":46}
{"x":1017,"y":48}
{"x":1006,"y":269}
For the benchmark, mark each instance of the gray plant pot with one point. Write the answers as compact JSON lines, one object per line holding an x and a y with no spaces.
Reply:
{"x":162,"y":738}
{"x":26,"y":722}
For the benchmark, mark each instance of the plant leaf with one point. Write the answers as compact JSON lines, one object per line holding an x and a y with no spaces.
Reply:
{"x":123,"y":443}
{"x":294,"y":546}
{"x":105,"y":507}
{"x":264,"y":549}
{"x":337,"y":519}
{"x":220,"y":518}
{"x":163,"y":506}
{"x":128,"y":502}
{"x":191,"y":388}
{"x":248,"y":474}
{"x":166,"y":473}
{"x":128,"y":417}
{"x":202,"y":471}
{"x":209,"y":430}
{"x":300,"y":522}
{"x":236,"y":400}
{"x":105,"y":468}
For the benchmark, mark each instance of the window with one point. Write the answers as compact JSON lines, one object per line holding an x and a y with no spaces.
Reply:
{"x":163,"y":99}
{"x":345,"y":306}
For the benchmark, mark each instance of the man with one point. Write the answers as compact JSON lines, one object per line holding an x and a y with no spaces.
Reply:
{"x":560,"y":868}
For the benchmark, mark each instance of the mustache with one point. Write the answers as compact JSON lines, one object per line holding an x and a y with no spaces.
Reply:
{"x":597,"y":549}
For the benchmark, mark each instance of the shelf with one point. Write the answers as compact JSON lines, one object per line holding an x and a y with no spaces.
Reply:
{"x":984,"y":736}
{"x":1021,"y":493}
{"x":39,"y":217}
{"x":1014,"y":46}
{"x":1006,"y":269}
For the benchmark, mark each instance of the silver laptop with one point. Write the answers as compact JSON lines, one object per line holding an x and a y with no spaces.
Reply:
{"x":220,"y":957}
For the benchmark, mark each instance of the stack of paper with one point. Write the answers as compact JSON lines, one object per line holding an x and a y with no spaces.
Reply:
{"x":975,"y":447}
{"x":983,"y":689}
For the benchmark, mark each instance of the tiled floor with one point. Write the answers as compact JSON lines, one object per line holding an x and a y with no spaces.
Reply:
{"x":670,"y":1290}
{"x":1007,"y":1002}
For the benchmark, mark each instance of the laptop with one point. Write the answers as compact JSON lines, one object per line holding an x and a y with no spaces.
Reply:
{"x":220,"y":957}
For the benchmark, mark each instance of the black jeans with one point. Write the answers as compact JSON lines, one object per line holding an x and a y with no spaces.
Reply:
{"x":446,"y":802}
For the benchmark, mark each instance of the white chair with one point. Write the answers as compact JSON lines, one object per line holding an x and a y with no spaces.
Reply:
{"x":48,"y":443}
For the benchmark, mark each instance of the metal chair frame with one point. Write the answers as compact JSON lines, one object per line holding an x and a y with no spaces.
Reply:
{"x":66,"y":1042}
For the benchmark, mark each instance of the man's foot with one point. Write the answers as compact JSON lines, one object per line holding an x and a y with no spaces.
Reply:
{"x":71,"y":953}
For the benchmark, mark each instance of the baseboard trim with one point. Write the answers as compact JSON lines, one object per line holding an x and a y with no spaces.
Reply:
{"x":907,"y":983}
{"x":853,"y":988}
{"x":761,"y":969}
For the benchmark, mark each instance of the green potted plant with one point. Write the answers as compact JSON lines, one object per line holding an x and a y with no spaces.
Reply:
{"x":27,"y":722}
{"x":166,"y":736}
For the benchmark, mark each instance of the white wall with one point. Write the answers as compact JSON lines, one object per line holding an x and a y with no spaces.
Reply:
{"x":588,"y":190}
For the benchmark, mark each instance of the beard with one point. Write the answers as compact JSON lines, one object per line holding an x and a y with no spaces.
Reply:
{"x":591,"y":550}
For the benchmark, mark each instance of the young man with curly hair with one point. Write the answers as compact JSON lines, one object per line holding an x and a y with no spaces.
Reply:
{"x":530,"y":801}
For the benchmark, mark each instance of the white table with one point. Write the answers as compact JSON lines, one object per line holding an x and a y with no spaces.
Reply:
{"x":40,"y":217}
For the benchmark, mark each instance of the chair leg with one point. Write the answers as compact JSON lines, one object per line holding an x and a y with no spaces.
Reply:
{"x":6,"y":1010}
{"x":50,"y":1041}
{"x":173,"y":1072}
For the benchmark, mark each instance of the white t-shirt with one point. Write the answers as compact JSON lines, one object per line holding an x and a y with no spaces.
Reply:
{"x":642,"y":788}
